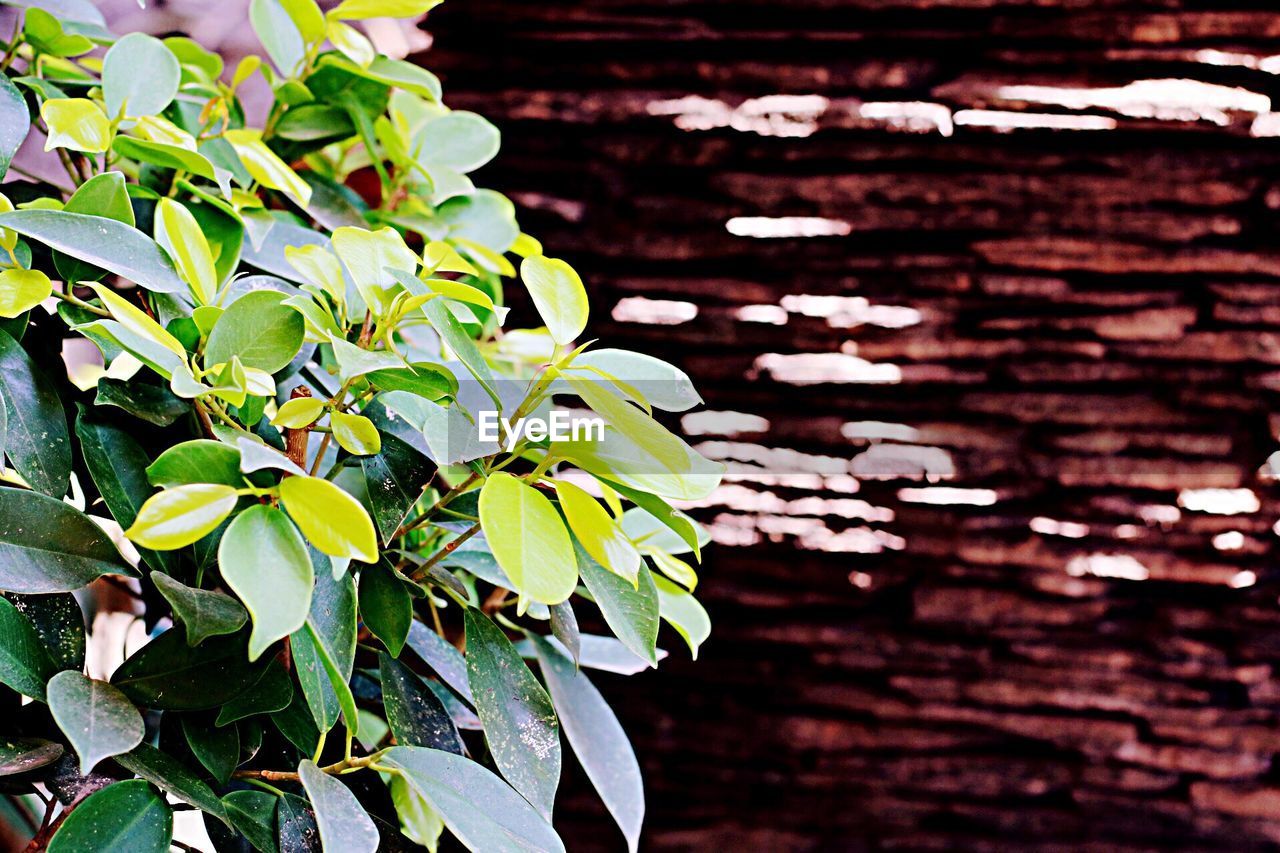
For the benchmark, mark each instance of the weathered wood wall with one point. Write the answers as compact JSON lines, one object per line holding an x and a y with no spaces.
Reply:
{"x":1059,"y":656}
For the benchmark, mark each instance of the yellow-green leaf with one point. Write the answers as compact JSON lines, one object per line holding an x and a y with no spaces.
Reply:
{"x":355,"y":434}
{"x":558,"y":295}
{"x":528,"y":539}
{"x":76,"y":123}
{"x":137,"y":321}
{"x":368,"y":255}
{"x":319,"y":267}
{"x":181,"y":236}
{"x":601,"y":536}
{"x":351,"y":10}
{"x":352,"y":43}
{"x":179,"y":516}
{"x":265,"y":167}
{"x":21,"y":290}
{"x":299,"y":412}
{"x":333,"y":521}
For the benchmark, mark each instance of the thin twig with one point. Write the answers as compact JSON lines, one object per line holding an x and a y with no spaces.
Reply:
{"x":421,"y":572}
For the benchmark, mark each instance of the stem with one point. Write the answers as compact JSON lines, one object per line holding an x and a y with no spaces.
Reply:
{"x":346,"y":765}
{"x":15,"y":41}
{"x":72,"y":299}
{"x":422,"y":518}
{"x":203,"y":413}
{"x":421,"y":572}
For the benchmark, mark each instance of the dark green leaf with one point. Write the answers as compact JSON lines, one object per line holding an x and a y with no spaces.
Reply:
{"x":168,"y":675}
{"x":202,"y":612}
{"x":15,"y":122}
{"x":199,"y":461}
{"x":296,"y":829}
{"x":442,"y":657}
{"x":125,"y":816}
{"x":153,"y":403}
{"x":273,"y":692}
{"x":431,"y":381}
{"x":597,"y":739}
{"x":330,"y":634}
{"x":478,"y":807}
{"x":312,"y":122}
{"x":174,"y":778}
{"x":253,"y":813}
{"x":416,"y":716}
{"x":260,"y":329}
{"x":386,"y":606}
{"x":216,"y":747}
{"x":24,"y":664}
{"x":105,"y":243}
{"x":49,"y":546}
{"x":36,"y":441}
{"x":20,"y":755}
{"x":97,"y":718}
{"x":344,"y":825}
{"x":102,"y":195}
{"x":519,"y":722}
{"x":564,"y":624}
{"x":296,"y":724}
{"x":395,"y":478}
{"x":632,"y":613}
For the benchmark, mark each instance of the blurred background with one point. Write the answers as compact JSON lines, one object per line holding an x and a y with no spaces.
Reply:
{"x":984,"y":300}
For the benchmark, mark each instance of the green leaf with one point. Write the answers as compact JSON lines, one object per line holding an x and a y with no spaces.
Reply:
{"x":44,"y":32}
{"x":22,"y":755}
{"x":296,"y":828}
{"x":528,"y":539}
{"x":395,"y":478}
{"x":442,"y":657}
{"x":272,"y":693}
{"x":416,"y":716}
{"x":168,"y":675}
{"x":419,"y":822}
{"x":59,"y":625}
{"x":180,"y":235}
{"x":98,"y":719}
{"x":21,"y":290}
{"x":199,"y":461}
{"x":203,"y":613}
{"x":630,"y":611}
{"x":683,"y":612}
{"x":431,"y":381}
{"x":215,"y":747}
{"x":48,"y":546}
{"x":351,"y":10}
{"x":564,"y":627}
{"x":331,"y":635}
{"x":278,"y":33}
{"x":355,"y":434}
{"x":24,"y":664}
{"x":181,"y":515}
{"x":478,"y":807}
{"x":391,"y":72}
{"x":37,"y":444}
{"x":265,"y":562}
{"x":368,"y":257}
{"x":124,"y":816}
{"x":664,"y":386}
{"x":165,"y":155}
{"x":265,"y":167}
{"x":597,"y":739}
{"x":77,"y":124}
{"x":152,"y":403}
{"x":102,"y":195}
{"x":519,"y":722}
{"x":333,"y":521}
{"x":601,"y":536}
{"x":15,"y":123}
{"x":344,"y":824}
{"x":139,"y":76}
{"x":174,"y":778}
{"x":459,"y":342}
{"x":458,"y":140}
{"x":692,"y":534}
{"x":386,"y":606}
{"x":118,"y":465}
{"x":103,"y":242}
{"x":299,"y":412}
{"x":139,"y":322}
{"x":265,"y":333}
{"x":354,"y":361}
{"x":253,"y":813}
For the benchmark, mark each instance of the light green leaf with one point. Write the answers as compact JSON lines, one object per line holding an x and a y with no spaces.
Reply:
{"x":139,"y":76}
{"x":138,"y":321}
{"x":124,"y":816}
{"x":355,"y":434}
{"x":528,"y":539}
{"x":349,"y":10}
{"x":308,"y":18}
{"x":165,"y":155}
{"x":318,"y":266}
{"x":100,"y":241}
{"x":431,"y":381}
{"x":299,"y":412}
{"x":458,"y":140}
{"x":179,"y":516}
{"x":265,"y":167}
{"x":558,"y":295}
{"x":419,"y":822}
{"x":24,"y":664}
{"x":344,"y":824}
{"x":48,"y":546}
{"x":198,"y":461}
{"x":663,"y":385}
{"x":279,"y":34}
{"x":77,"y":124}
{"x":478,"y":807}
{"x":36,"y":440}
{"x":391,"y":72}
{"x":265,"y":562}
{"x":368,"y":257}
{"x":519,"y":722}
{"x":265,"y":333}
{"x":461,"y":345}
{"x":683,"y":612}
{"x":180,"y":235}
{"x":333,"y":521}
{"x":97,"y":718}
{"x":352,"y":43}
{"x":597,"y":739}
{"x":599,"y":533}
{"x":202,"y":612}
{"x":354,"y":361}
{"x":21,"y":290}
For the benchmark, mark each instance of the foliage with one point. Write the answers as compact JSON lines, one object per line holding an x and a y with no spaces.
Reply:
{"x":301,"y":325}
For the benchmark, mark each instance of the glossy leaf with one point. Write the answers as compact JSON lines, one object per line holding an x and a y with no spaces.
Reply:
{"x":395,"y":478}
{"x":273,"y":692}
{"x":98,"y":719}
{"x":49,"y":546}
{"x":21,"y":290}
{"x":267,"y":168}
{"x":333,"y":521}
{"x":181,"y":515}
{"x":139,"y":76}
{"x":22,"y":755}
{"x":138,"y":322}
{"x":296,"y":827}
{"x":520,"y":724}
{"x":683,"y":612}
{"x":528,"y":539}
{"x":386,"y":606}
{"x":330,"y":635}
{"x":169,"y":675}
{"x":344,"y":824}
{"x":416,"y":716}
{"x":203,"y":613}
{"x":630,"y":611}
{"x":355,"y":434}
{"x":124,"y":816}
{"x":15,"y":123}
{"x":36,"y":441}
{"x":253,"y":814}
{"x":180,"y":235}
{"x":299,"y":412}
{"x":199,"y":461}
{"x":265,"y":561}
{"x":102,"y":195}
{"x":258,"y":328}
{"x":358,"y":9}
{"x":59,"y":625}
{"x":442,"y":657}
{"x":77,"y":124}
{"x":664,"y":386}
{"x":172,"y":777}
{"x":24,"y":664}
{"x":601,"y":535}
{"x":217,"y":748}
